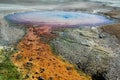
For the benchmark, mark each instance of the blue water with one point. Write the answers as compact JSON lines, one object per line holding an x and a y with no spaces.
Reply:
{"x":58,"y":18}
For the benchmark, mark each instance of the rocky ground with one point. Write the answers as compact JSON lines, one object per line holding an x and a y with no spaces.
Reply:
{"x":91,"y":49}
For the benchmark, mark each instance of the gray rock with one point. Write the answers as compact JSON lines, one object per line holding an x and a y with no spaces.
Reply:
{"x":10,"y":33}
{"x":92,"y":50}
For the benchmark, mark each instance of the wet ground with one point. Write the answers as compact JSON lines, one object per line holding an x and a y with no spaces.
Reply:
{"x":65,"y":54}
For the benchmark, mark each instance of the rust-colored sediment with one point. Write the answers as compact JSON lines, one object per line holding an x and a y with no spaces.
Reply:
{"x":37,"y":62}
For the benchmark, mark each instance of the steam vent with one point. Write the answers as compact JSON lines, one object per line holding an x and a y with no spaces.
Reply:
{"x":35,"y":58}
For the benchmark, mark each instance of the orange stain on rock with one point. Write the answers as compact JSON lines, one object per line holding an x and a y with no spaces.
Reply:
{"x":37,"y":62}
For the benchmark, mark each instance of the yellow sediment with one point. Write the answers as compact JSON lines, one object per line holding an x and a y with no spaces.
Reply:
{"x":36,"y":61}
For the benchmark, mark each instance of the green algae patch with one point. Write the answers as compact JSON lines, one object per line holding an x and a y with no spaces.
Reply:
{"x":7,"y":69}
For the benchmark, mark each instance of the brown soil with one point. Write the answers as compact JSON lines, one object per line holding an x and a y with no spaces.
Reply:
{"x":112,"y":29}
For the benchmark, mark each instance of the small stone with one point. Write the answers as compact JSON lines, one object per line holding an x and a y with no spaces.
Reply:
{"x":50,"y":78}
{"x":42,"y":70}
{"x":29,"y":64}
{"x":41,"y":78}
{"x":33,"y":77}
{"x":19,"y":56}
{"x":101,"y":36}
{"x":27,"y":76}
{"x":31,"y":59}
{"x":68,"y":68}
{"x":37,"y":58}
{"x":36,"y":72}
